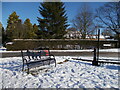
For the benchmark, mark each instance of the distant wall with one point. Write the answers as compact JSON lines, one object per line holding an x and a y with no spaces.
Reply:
{"x":58,"y":44}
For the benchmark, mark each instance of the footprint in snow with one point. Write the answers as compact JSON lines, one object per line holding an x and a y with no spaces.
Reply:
{"x":58,"y":85}
{"x":72,"y":70}
{"x":82,"y":74}
{"x":41,"y":80}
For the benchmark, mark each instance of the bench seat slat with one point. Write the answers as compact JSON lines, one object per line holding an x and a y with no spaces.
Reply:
{"x":32,"y":62}
{"x":40,"y":63}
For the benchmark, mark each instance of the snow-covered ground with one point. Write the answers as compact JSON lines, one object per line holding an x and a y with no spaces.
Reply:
{"x":70,"y":74}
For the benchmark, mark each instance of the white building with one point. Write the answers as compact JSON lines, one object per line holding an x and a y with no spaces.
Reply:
{"x":73,"y":35}
{"x":78,"y":35}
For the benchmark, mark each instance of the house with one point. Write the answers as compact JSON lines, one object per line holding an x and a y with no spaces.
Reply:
{"x":72,"y":34}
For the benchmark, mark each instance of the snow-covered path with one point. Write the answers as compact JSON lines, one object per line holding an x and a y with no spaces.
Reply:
{"x":71,"y":74}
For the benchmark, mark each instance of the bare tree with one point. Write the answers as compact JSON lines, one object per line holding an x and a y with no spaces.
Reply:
{"x":71,"y":29}
{"x":109,"y":16}
{"x":83,"y":21}
{"x":107,"y":33}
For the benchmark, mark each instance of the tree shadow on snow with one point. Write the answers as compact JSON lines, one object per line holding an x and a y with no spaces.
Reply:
{"x":113,"y":67}
{"x":81,"y":62}
{"x":90,"y":63}
{"x":16,"y":66}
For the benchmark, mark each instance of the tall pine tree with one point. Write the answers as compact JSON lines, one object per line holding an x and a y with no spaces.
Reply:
{"x":54,"y":20}
{"x":19,"y":30}
{"x":35,"y":30}
{"x":4,"y":38}
{"x":11,"y":25}
{"x":28,"y":29}
{"x":2,"y":35}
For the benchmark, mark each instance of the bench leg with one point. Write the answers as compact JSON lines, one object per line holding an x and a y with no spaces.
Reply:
{"x":49,"y":62}
{"x":23,"y":67}
{"x":55,"y":62}
{"x":28,"y":69}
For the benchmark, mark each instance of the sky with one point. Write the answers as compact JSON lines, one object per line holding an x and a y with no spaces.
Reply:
{"x":30,"y":10}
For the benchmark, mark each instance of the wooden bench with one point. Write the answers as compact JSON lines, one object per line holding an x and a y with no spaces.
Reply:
{"x":37,"y":58}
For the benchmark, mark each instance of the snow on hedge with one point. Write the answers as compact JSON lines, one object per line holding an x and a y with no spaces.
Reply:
{"x":70,"y":74}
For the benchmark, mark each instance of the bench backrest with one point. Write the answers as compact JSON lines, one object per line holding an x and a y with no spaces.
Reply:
{"x":36,"y":54}
{"x":44,"y":51}
{"x":33,"y":54}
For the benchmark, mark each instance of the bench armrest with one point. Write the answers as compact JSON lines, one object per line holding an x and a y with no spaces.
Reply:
{"x":51,"y":55}
{"x":25,"y":60}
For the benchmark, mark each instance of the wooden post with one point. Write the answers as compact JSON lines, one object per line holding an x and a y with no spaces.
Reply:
{"x":119,"y":41}
{"x":94,"y":54}
{"x":94,"y":62}
{"x":98,"y":44}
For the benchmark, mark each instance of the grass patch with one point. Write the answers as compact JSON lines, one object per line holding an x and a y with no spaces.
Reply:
{"x":60,"y":63}
{"x":63,"y":61}
{"x":66,"y":60}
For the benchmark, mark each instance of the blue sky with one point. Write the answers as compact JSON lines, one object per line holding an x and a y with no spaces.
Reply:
{"x":30,"y":10}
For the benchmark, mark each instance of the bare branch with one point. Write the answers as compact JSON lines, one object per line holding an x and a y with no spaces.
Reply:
{"x":83,"y":21}
{"x":109,"y":16}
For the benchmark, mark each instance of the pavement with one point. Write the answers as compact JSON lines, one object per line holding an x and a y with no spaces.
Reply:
{"x":60,"y":53}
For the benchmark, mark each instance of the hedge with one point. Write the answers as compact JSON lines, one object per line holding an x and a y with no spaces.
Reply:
{"x":58,"y":44}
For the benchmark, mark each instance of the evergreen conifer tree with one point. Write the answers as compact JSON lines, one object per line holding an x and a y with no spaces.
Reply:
{"x":19,"y":30}
{"x":0,"y":33}
{"x":11,"y":25}
{"x":3,"y":36}
{"x":54,"y":20}
{"x":28,"y":29}
{"x":35,"y":30}
{"x":0,"y":25}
